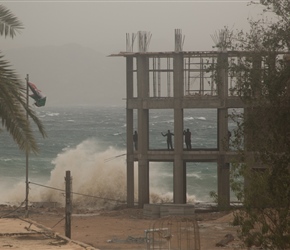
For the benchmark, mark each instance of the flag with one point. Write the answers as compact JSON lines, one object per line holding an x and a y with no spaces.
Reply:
{"x":39,"y":98}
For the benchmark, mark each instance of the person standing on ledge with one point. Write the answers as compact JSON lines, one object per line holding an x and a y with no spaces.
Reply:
{"x":187,"y":138}
{"x":169,"y":139}
{"x":135,"y":140}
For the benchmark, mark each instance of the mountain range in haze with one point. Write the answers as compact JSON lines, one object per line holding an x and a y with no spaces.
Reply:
{"x":72,"y":74}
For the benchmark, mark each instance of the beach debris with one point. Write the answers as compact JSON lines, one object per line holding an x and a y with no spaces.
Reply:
{"x":138,"y":240}
{"x":58,"y":242}
{"x":226,"y":240}
{"x":130,"y":239}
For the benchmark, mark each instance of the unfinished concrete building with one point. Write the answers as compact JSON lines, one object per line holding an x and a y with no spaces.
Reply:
{"x":212,"y":89}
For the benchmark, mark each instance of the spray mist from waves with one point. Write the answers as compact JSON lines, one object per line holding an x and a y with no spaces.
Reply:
{"x":161,"y":184}
{"x":98,"y":180}
{"x":92,"y":175}
{"x":99,"y":175}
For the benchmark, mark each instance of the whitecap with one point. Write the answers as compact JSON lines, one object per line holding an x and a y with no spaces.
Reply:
{"x":161,"y":174}
{"x":201,"y":118}
{"x":191,"y":199}
{"x":197,"y":176}
{"x":52,"y":114}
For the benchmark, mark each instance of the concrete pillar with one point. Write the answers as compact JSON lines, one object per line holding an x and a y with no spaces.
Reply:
{"x":179,"y":192}
{"x":222,"y":113}
{"x":257,"y":75}
{"x":222,"y":119}
{"x":179,"y":168}
{"x":130,"y":159}
{"x":143,"y":180}
{"x":223,"y":167}
{"x":129,"y":118}
{"x":143,"y":163}
{"x":143,"y":130}
{"x":223,"y":183}
{"x":222,"y":75}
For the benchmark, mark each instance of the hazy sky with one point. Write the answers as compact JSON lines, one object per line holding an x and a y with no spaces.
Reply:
{"x":102,"y":25}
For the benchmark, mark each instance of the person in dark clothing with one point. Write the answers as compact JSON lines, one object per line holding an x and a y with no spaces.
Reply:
{"x":229,"y":140}
{"x":169,"y":139}
{"x":135,"y":140}
{"x":187,"y":138}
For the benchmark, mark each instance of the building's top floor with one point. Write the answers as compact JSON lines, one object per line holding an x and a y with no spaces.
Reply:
{"x":191,"y":74}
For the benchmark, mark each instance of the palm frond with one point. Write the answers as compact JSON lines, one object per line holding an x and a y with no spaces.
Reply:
{"x":9,"y":24}
{"x":14,"y":111}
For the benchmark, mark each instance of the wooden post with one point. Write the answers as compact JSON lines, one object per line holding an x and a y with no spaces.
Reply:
{"x":68,"y":204}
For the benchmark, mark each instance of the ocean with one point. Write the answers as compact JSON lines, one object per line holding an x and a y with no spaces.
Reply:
{"x":91,"y":143}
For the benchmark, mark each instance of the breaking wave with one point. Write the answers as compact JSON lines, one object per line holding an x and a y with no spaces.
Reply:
{"x":98,"y":179}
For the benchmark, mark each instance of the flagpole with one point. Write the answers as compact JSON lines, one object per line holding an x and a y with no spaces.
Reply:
{"x":27,"y":154}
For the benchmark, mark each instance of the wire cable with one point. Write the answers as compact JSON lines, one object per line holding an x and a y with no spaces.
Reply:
{"x":58,"y":189}
{"x":87,"y":195}
{"x":58,"y":222}
{"x":114,"y":157}
{"x":5,"y":215}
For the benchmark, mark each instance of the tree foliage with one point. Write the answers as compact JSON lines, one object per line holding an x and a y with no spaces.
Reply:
{"x":261,"y":177}
{"x":14,"y":110}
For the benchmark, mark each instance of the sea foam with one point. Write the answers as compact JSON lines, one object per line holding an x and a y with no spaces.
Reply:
{"x":98,"y":179}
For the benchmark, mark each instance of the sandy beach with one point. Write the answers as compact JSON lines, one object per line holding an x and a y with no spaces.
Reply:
{"x":124,"y":228}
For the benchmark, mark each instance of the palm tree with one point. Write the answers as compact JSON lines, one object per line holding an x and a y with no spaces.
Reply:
{"x":14,"y":111}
